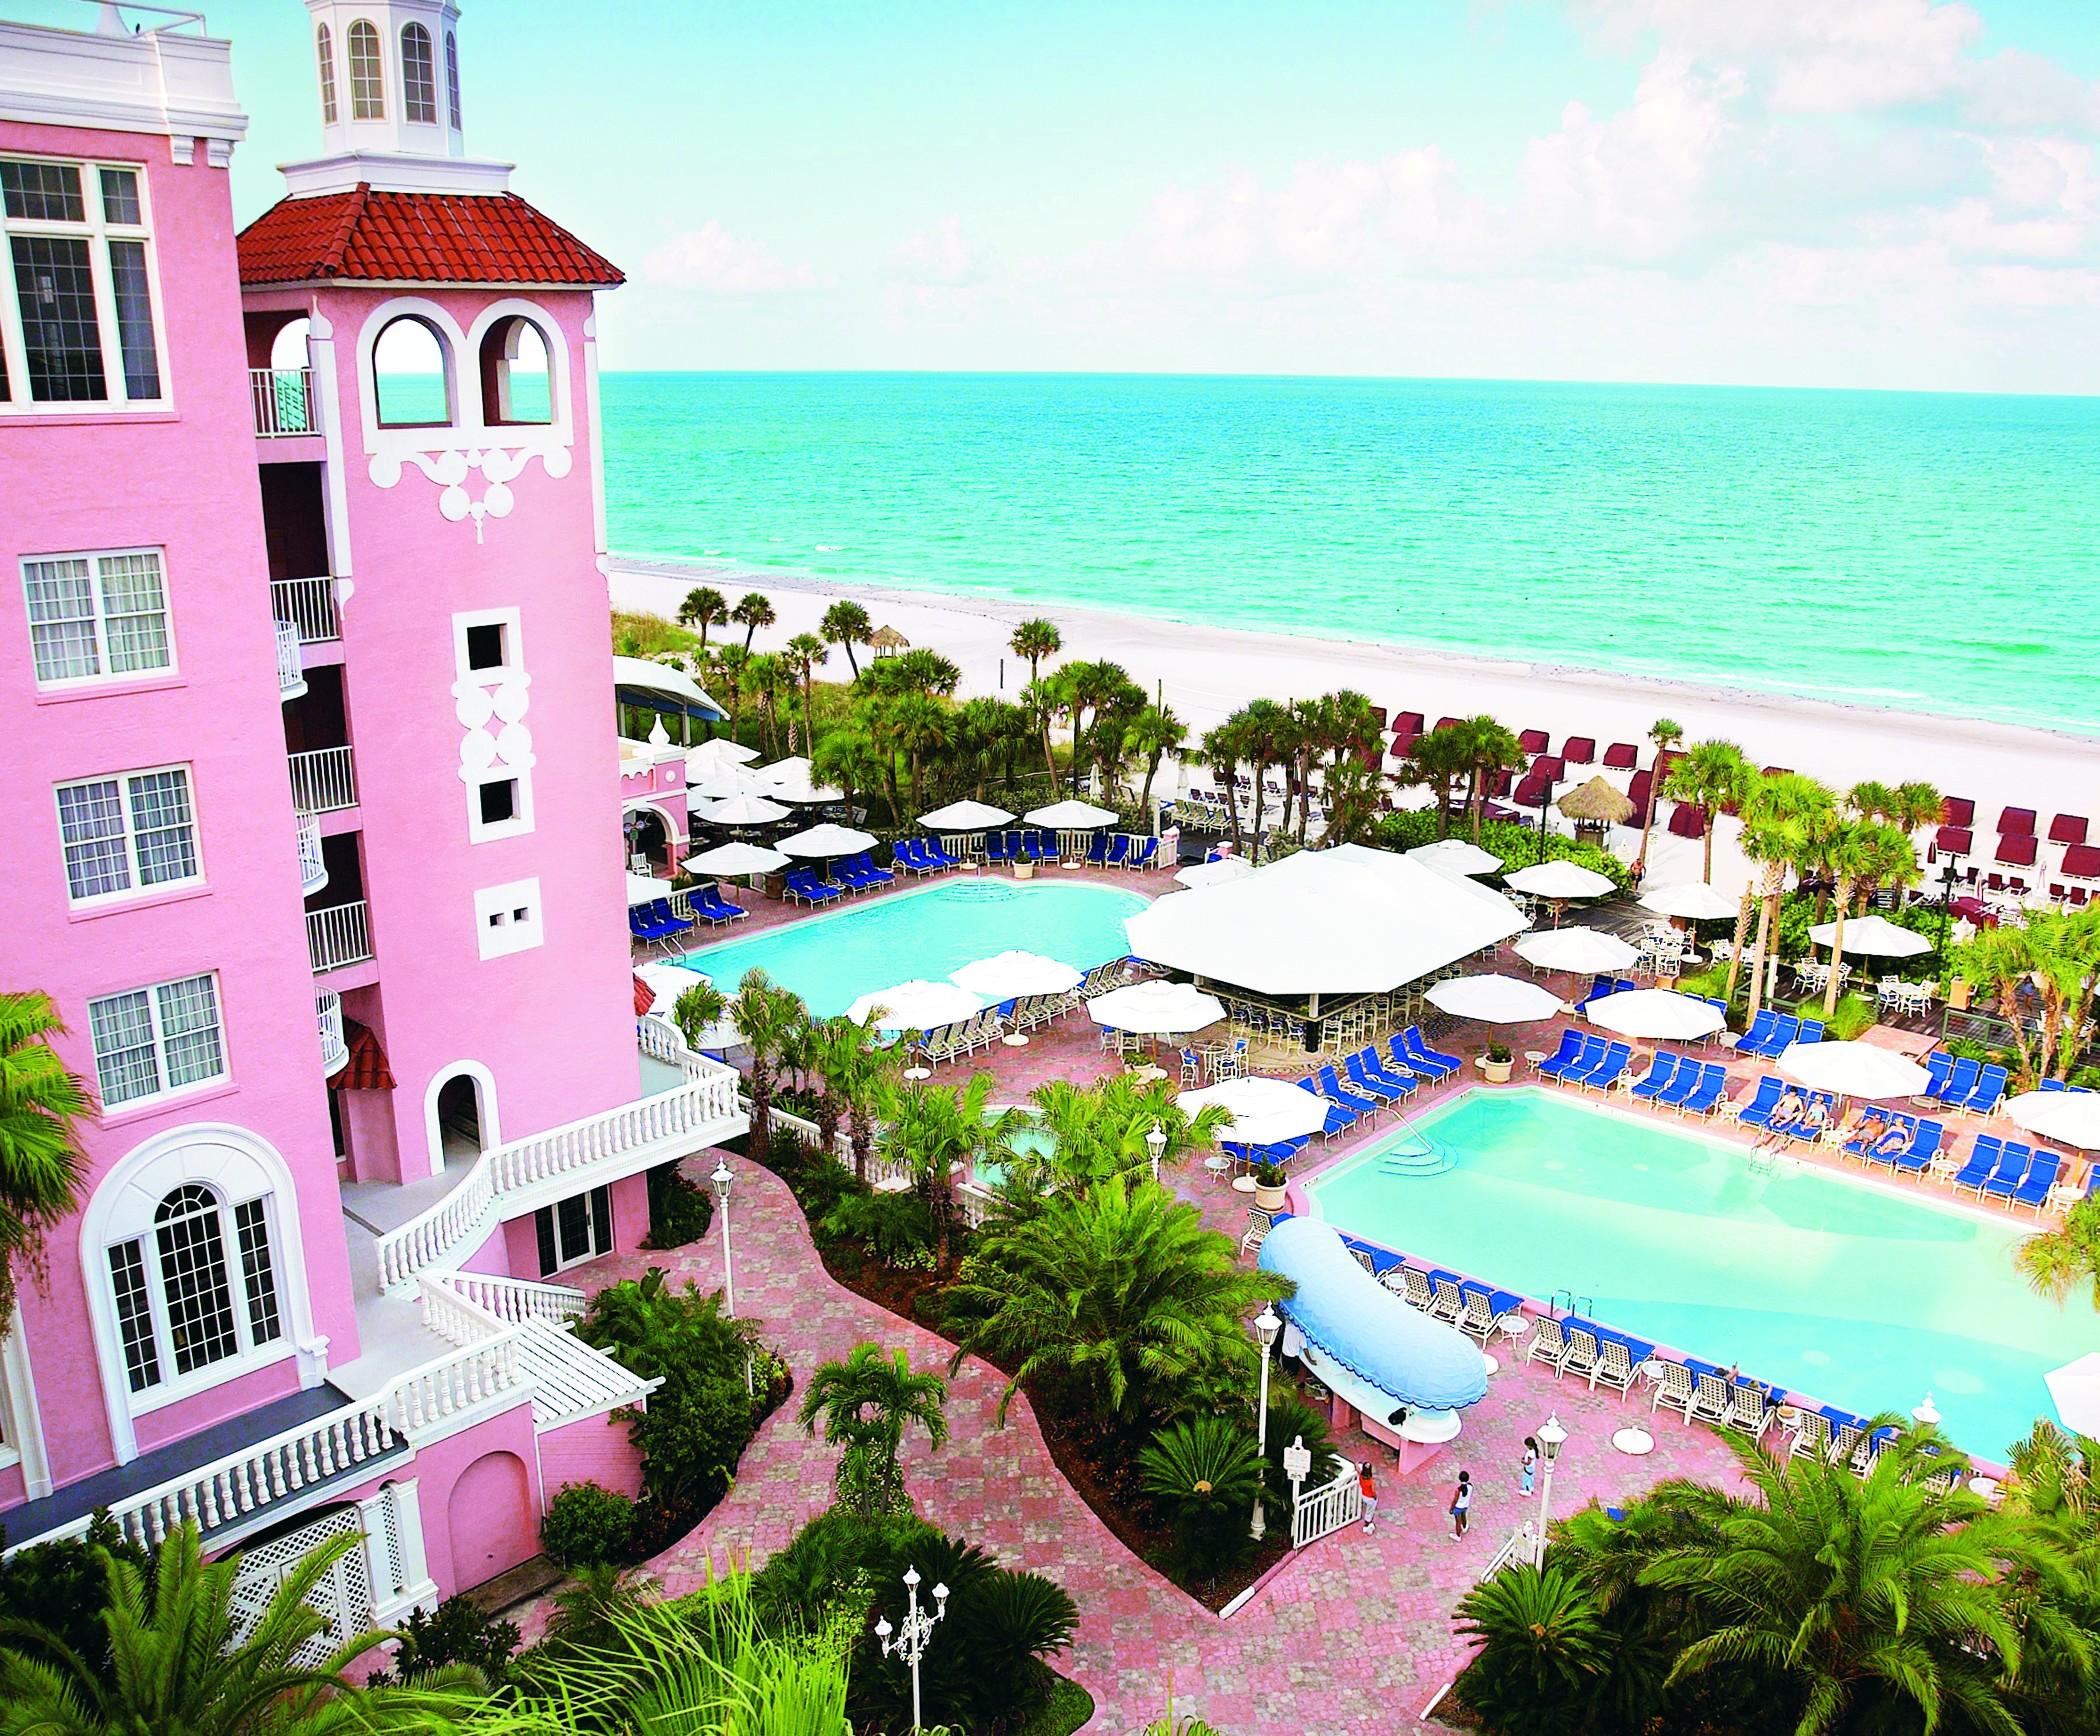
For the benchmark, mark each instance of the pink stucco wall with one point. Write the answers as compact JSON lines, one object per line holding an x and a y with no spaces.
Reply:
{"x":184,"y":481}
{"x":595,"y":1450}
{"x":515,"y":1251}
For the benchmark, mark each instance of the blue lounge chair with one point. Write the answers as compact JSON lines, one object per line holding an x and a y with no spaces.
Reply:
{"x":999,"y":846}
{"x":910,"y":854}
{"x":848,"y":872}
{"x":1706,"y":1094}
{"x":1808,"y":1131}
{"x":1982,"y":1161}
{"x":1339,"y":1119}
{"x":1757,"y":1039}
{"x":1925,"y":1141}
{"x":1418,"y":1057}
{"x":1616,"y":1060}
{"x":1118,"y":851}
{"x":1786,"y":1032}
{"x":802,"y":883}
{"x":2041,"y":1177}
{"x":1661,"y":1075}
{"x":1811,"y":1031}
{"x":1938,"y":1064}
{"x":1570,"y":1047}
{"x":1375,"y":1069}
{"x":1362,"y":1081}
{"x":934,"y":851}
{"x":1353,"y":1101}
{"x":668,"y":919}
{"x":1142,"y":853}
{"x":1990,"y":1087}
{"x":876,"y":876}
{"x":1588,"y":1068}
{"x":1589,"y":1051}
{"x":1961,"y":1082}
{"x":1097,"y":850}
{"x":1758,"y":1111}
{"x":2004,"y":1181}
{"x":643,"y":927}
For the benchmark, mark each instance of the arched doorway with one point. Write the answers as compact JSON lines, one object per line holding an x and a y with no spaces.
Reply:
{"x":648,"y":840}
{"x":490,"y":1520}
{"x":460,"y":1115}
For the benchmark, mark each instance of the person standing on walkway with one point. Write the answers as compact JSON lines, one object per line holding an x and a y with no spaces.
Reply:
{"x":1531,"y":1465}
{"x":1367,"y":1486}
{"x":1461,"y":1504}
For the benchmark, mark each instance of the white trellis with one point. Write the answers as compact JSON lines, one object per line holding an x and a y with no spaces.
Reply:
{"x":343,"y":1598}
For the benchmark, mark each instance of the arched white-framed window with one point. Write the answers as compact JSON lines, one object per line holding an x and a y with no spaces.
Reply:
{"x":517,"y":372}
{"x":367,"y":72}
{"x":452,"y":78}
{"x":412,"y":374}
{"x":324,"y":51}
{"x":418,"y":76}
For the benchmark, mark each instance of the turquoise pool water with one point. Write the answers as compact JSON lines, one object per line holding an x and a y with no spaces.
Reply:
{"x":834,"y":959}
{"x":1860,"y":1295}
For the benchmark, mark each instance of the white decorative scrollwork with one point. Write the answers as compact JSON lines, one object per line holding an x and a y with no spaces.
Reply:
{"x":451,"y":469}
{"x":490,"y":706}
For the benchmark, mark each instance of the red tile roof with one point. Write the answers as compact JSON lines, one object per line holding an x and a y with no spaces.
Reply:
{"x":378,"y":237}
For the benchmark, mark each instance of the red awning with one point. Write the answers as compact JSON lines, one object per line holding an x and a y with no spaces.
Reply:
{"x":2082,"y":861}
{"x":644,"y":997}
{"x":1953,"y":841}
{"x":366,"y":1070}
{"x":2016,"y":849}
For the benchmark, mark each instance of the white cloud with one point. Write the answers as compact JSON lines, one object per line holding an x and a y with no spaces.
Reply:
{"x":940,"y":255}
{"x":710,"y":258}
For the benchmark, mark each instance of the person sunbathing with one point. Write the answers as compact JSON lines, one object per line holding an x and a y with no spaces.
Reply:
{"x":1815,"y":1117}
{"x":1863,"y":1124}
{"x":1785,"y":1113}
{"x":1894,"y":1141}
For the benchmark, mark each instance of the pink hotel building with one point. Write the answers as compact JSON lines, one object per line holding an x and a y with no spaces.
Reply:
{"x":306,"y":697}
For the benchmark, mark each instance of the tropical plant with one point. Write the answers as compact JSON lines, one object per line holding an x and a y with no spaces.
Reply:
{"x":847,"y":624}
{"x":2052,"y":956}
{"x":1711,"y":775}
{"x":1784,"y":815}
{"x":1664,"y":733}
{"x":697,"y":1010}
{"x":805,"y":654}
{"x":858,"y":1071}
{"x":1205,"y":1475}
{"x":932,"y":1132}
{"x":1490,"y":747}
{"x":849,"y":758}
{"x":1040,"y":703}
{"x":1850,"y":852}
{"x":704,"y":607}
{"x":586,"y":1525}
{"x":42,"y":1169}
{"x":1439,"y":760}
{"x":1291,"y":1419}
{"x":864,"y":1405}
{"x":1153,"y":734}
{"x":2060,"y":1259}
{"x":731,"y":663}
{"x":1545,"y":1651}
{"x":753,"y":610}
{"x":767,"y":1017}
{"x":1035,"y":640}
{"x":62,"y":1586}
{"x":458,"y":1632}
{"x":1104,"y":1129}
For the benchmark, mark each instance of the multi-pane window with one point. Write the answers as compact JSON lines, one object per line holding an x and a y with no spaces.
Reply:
{"x":127,"y":1282}
{"x":128,"y":832}
{"x":157,"y":1039}
{"x":367,"y":80}
{"x":576,"y":1229}
{"x":324,"y":49}
{"x":77,"y":318}
{"x":192,"y":1252}
{"x":418,"y":76}
{"x":97,"y":615}
{"x":452,"y":78}
{"x":176,"y":1304}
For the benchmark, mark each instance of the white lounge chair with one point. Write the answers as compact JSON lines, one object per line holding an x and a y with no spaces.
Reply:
{"x":1547,"y":1345}
{"x":1711,"y":1401}
{"x":1811,"y":1437}
{"x":1582,"y":1352}
{"x":1614,"y":1366}
{"x":1673,"y":1388}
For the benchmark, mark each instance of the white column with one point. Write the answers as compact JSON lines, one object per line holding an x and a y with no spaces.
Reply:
{"x":320,"y":353}
{"x":398,"y":1589}
{"x":590,"y":398}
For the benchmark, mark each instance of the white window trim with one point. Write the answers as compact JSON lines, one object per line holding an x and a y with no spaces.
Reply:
{"x":105,"y":676}
{"x":511,"y":621}
{"x":519,"y":825}
{"x":98,"y":233}
{"x":21,"y":1420}
{"x":138,"y":888}
{"x":500,"y":939}
{"x":381,"y":56}
{"x":160,"y":1041}
{"x":554,"y":1225}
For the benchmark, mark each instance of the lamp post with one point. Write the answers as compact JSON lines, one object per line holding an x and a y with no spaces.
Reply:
{"x":1948,"y":881}
{"x":1156,"y":1144}
{"x":722,"y":1179}
{"x":1552,"y":1437}
{"x":1545,"y":797}
{"x":1926,"y":1415}
{"x":1266,"y":1326}
{"x":913,"y":1634}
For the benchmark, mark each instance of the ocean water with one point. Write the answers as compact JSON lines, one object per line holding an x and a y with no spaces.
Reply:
{"x":1933,"y":552}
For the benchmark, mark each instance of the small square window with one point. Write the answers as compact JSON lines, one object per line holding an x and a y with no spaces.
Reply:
{"x":488,"y":646}
{"x":498,"y":801}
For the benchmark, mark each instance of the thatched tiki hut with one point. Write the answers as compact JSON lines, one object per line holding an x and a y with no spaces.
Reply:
{"x":1595,"y":807}
{"x":888,"y":639}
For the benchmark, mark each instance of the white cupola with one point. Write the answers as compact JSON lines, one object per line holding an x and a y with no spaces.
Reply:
{"x":388,"y":85}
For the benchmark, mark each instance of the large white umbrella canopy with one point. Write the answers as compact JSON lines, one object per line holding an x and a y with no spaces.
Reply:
{"x":1456,"y":856}
{"x":2075,"y":1391}
{"x":1495,"y":1000}
{"x":827,"y":840}
{"x":1215,"y":873}
{"x":1007,"y":974}
{"x":719,"y":755}
{"x":964,"y":816}
{"x":640,"y":681}
{"x":1585,"y":950}
{"x":740,"y":811}
{"x":1559,"y":879}
{"x":1695,"y":901}
{"x":916,"y":1006}
{"x":1071,"y":816}
{"x":719,"y":786}
{"x":792,"y":770}
{"x":1263,"y":1111}
{"x":804,"y":793}
{"x":1156,"y":1009}
{"x":1350,"y":920}
{"x":667,"y":982}
{"x":2068,"y":1117}
{"x":737,"y":859}
{"x":1872,"y":936}
{"x":641,"y":888}
{"x":1852,"y":1069}
{"x":1662,"y":1014}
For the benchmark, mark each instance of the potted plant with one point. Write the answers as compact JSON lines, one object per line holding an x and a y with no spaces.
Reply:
{"x":1268,"y":1187}
{"x":1495,"y":1064}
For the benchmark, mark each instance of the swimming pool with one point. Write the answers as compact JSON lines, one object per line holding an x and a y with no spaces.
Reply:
{"x":1862,"y":1295}
{"x":834,"y":959}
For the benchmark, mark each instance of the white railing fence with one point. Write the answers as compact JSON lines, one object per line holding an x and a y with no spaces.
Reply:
{"x":284,"y":401}
{"x":508,"y":1301}
{"x":1521,"y":1545}
{"x":477,"y":1370}
{"x":311,"y":605}
{"x":328,"y":1016}
{"x":323,"y":780}
{"x":339,"y":935}
{"x":313,"y":865}
{"x":1328,"y":1508}
{"x":291,"y":672}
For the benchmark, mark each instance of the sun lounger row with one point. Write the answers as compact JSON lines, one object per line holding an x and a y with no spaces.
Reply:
{"x":1371,"y":1080}
{"x":1919,"y":1144}
{"x":1587,"y":1060}
{"x":1569,"y":1344}
{"x":922,"y":856}
{"x":1122,"y":850}
{"x":656,"y":923}
{"x":1683,"y":1083}
{"x":1603,"y":986}
{"x":1104,"y":849}
{"x":2009,"y":1169}
{"x":1961,"y":1082}
{"x":1771,"y":1034}
{"x":1476,"y":1309}
{"x":1813,"y":1113}
{"x":708,"y":904}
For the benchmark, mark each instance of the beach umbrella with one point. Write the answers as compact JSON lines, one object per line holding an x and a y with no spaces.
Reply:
{"x":1456,"y":856}
{"x":1559,"y":879}
{"x":643,"y":888}
{"x":917,"y":1005}
{"x":1156,"y":1009}
{"x":718,"y":755}
{"x":1872,"y":936}
{"x":2068,"y":1117}
{"x":2075,"y":1391}
{"x":1852,"y":1070}
{"x":1215,"y":873}
{"x":667,"y":982}
{"x":1494,"y":1000}
{"x":1695,"y":901}
{"x":964,"y":816}
{"x":887,"y":639}
{"x":719,"y":786}
{"x":731,"y":859}
{"x":740,"y":811}
{"x":1071,"y":816}
{"x":1596,"y":803}
{"x":1661,"y":1014}
{"x":1584,"y":950}
{"x":804,"y":793}
{"x":1007,"y":974}
{"x":1263,"y":1111}
{"x":794,"y":769}
{"x":827,"y":840}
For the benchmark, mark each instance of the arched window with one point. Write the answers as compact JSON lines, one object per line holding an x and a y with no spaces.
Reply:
{"x":418,"y":76}
{"x":199,"y":1289}
{"x":367,"y":81}
{"x":412,"y":375}
{"x":324,"y":48}
{"x":515,"y":376}
{"x":452,"y":77}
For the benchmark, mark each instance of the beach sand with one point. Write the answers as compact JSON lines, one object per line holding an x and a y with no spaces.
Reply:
{"x":1206,"y":672}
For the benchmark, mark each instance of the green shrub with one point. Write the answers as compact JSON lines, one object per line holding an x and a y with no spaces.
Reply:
{"x":1515,"y":842}
{"x":458,"y":1631}
{"x":1203,"y":1474}
{"x":895,"y":1228}
{"x":587,"y":1525}
{"x":1290,"y":1419}
{"x":680,"y":1209}
{"x":61,"y":1587}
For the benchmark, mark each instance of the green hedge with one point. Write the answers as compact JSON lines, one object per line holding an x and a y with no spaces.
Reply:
{"x":1516,"y":843}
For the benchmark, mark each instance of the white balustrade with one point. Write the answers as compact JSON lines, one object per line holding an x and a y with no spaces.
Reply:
{"x":508,"y":1301}
{"x":323,"y":780}
{"x":478,"y":1370}
{"x":313,"y":865}
{"x":291,"y":671}
{"x":284,"y":401}
{"x":328,"y":1015}
{"x":339,"y":935}
{"x":314,"y":606}
{"x":1327,"y":1508}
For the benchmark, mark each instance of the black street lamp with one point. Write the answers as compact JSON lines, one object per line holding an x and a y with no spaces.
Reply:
{"x":1950,"y":877}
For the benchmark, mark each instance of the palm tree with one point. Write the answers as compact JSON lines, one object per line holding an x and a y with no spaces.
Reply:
{"x":1223,"y":749}
{"x":1437,"y":761}
{"x":920,"y":725}
{"x":767,"y":1018}
{"x":921,"y":670}
{"x":806,"y":654}
{"x":704,"y":607}
{"x":765,"y":675}
{"x":1355,"y":793}
{"x":2054,"y":954}
{"x":1206,"y":1472}
{"x":1154,"y":733}
{"x":865,"y":1405}
{"x":932,"y":1131}
{"x":1036,"y":640}
{"x":1711,"y":775}
{"x":1841,"y":850}
{"x":42,"y":1169}
{"x":1490,"y":747}
{"x":2059,"y":1260}
{"x":1041,"y":702}
{"x":1545,"y":1653}
{"x":847,"y":624}
{"x":1784,"y":815}
{"x":1101,"y":1130}
{"x":858,"y":1071}
{"x":1665,"y":733}
{"x":698,"y":1010}
{"x":752,"y":612}
{"x":734,"y":663}
{"x":848,"y":757}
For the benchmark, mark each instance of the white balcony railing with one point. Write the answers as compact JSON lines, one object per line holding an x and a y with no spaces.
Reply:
{"x":284,"y":401}
{"x":513,"y":1301}
{"x":291,"y":670}
{"x":314,"y":606}
{"x":323,"y":780}
{"x":313,"y":865}
{"x":328,"y":1015}
{"x":339,"y":935}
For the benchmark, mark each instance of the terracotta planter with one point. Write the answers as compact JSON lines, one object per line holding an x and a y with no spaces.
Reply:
{"x":1269,"y":1199}
{"x":1496,"y":1072}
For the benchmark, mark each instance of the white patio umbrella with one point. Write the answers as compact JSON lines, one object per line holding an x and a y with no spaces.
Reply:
{"x":1559,"y":879}
{"x":1456,"y":856}
{"x":667,"y":982}
{"x":1263,"y":1111}
{"x":719,"y":786}
{"x":2068,"y":1117}
{"x":1156,"y":1009}
{"x":1215,"y":873}
{"x":1695,"y":901}
{"x":740,"y":811}
{"x":1872,"y":936}
{"x":1852,"y":1070}
{"x":964,"y":816}
{"x":1007,"y":974}
{"x":1071,"y":816}
{"x":792,"y":770}
{"x":792,"y":781}
{"x":737,"y":858}
{"x":2075,"y":1391}
{"x":719,"y":755}
{"x":1494,"y":999}
{"x":827,"y":840}
{"x":1586,"y":950}
{"x":1662,"y":1014}
{"x":641,"y":888}
{"x":916,"y":1006}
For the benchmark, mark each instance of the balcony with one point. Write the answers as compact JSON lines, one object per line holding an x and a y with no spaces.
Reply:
{"x":313,"y":865}
{"x":284,"y":402}
{"x":313,"y":606}
{"x":291,"y":668}
{"x":324,"y":781}
{"x":339,"y":935}
{"x":328,"y":1015}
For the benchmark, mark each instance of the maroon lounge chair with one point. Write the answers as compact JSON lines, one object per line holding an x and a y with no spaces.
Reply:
{"x":1532,"y":791}
{"x":1534,"y":740}
{"x":1447,"y":723}
{"x":1579,"y":750}
{"x":1957,"y":811}
{"x":1408,"y":723}
{"x":2016,"y":822}
{"x":1637,"y":792}
{"x":2067,"y":829}
{"x":1953,"y":841}
{"x":2082,"y":861}
{"x":2016,"y":849}
{"x":1549,"y":766}
{"x":1688,"y":821}
{"x":1621,"y":756}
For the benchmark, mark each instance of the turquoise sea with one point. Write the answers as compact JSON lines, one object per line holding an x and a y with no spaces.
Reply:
{"x":1926,"y":551}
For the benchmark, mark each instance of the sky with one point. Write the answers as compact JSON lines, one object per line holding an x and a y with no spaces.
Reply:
{"x":1880,"y":193}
